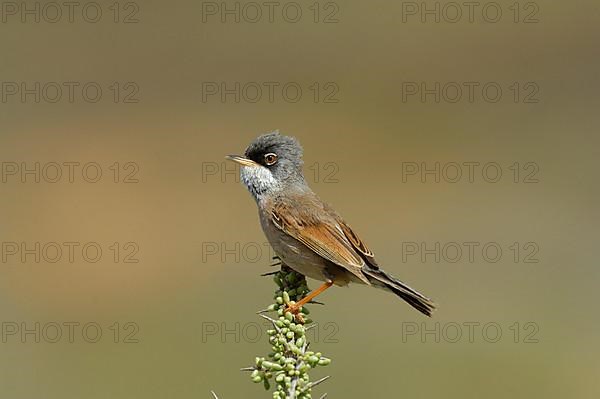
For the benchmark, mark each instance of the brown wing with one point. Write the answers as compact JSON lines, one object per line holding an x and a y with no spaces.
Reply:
{"x":354,"y":239}
{"x":359,"y":245}
{"x":315,"y":228}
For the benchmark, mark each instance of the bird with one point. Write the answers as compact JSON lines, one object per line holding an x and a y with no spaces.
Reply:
{"x":307,"y":234}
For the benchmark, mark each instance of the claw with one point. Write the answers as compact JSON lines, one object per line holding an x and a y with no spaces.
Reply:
{"x":294,"y":309}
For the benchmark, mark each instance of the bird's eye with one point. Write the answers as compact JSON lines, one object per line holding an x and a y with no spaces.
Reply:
{"x":270,"y":159}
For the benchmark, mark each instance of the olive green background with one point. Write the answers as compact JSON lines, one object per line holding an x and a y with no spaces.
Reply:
{"x":177,"y":211}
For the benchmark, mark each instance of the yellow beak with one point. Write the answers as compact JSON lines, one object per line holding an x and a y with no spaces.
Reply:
{"x":241,"y":160}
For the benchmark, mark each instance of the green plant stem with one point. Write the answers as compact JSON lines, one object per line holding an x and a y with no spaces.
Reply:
{"x":290,"y":361}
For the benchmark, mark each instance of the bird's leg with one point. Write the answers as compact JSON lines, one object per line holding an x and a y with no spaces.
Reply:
{"x":295,"y":308}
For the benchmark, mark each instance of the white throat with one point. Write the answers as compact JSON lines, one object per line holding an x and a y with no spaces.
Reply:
{"x":259,"y":181}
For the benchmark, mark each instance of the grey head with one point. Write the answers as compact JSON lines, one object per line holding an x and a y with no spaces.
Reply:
{"x":271,"y":163}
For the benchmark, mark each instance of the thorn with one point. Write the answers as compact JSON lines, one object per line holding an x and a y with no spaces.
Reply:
{"x":314,"y":384}
{"x":214,"y":395}
{"x":248,"y":369}
{"x":323,"y":396}
{"x":269,"y":274}
{"x":270,"y":319}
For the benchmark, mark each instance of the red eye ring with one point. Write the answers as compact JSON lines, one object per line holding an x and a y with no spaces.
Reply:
{"x":270,"y":159}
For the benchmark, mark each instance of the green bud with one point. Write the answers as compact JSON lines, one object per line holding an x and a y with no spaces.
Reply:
{"x":324,"y":361}
{"x":257,"y":378}
{"x":286,"y":297}
{"x":305,"y":368}
{"x":267,"y":365}
{"x":277,"y":367}
{"x":280,"y":300}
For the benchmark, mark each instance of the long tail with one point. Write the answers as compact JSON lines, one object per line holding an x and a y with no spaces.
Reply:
{"x":415,"y":299}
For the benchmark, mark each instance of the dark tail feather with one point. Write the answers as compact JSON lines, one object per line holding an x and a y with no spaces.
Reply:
{"x":414,"y":298}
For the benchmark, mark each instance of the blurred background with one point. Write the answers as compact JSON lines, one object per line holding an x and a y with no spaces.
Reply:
{"x":460,"y":143}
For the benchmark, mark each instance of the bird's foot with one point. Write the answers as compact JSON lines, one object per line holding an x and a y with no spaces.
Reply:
{"x":294,"y":309}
